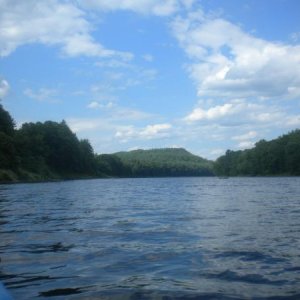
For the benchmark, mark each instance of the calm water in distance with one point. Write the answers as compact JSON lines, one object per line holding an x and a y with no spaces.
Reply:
{"x":161,"y":238}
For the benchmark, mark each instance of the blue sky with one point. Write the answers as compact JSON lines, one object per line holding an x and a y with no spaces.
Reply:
{"x":205,"y":75}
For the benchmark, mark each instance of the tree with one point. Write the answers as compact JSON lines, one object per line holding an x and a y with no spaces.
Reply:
{"x":87,"y":157}
{"x":7,"y":124}
{"x":111,"y":165}
{"x":280,"y":156}
{"x":8,"y":157}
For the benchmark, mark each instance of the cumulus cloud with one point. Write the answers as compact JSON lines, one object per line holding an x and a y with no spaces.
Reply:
{"x":243,"y":82}
{"x":153,"y":130}
{"x":243,"y":112}
{"x":49,"y":22}
{"x":228,"y":62}
{"x":212,"y":113}
{"x":229,"y":111}
{"x":4,"y":88}
{"x":149,"y":132}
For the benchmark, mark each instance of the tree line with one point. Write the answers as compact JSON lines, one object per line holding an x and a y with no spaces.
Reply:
{"x":50,"y":150}
{"x":280,"y":156}
{"x":165,"y":162}
{"x":40,"y":151}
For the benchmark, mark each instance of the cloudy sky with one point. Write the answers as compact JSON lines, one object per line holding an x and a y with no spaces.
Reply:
{"x":206,"y":75}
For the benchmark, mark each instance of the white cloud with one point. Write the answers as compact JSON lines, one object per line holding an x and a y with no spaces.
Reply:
{"x":149,"y":132}
{"x":244,"y":113}
{"x":97,"y":105}
{"x":112,"y":118}
{"x":228,"y":62}
{"x":212,"y":113}
{"x":188,"y":3}
{"x":155,"y":7}
{"x":246,"y":86}
{"x":249,"y":135}
{"x":246,"y":145}
{"x":87,"y":124}
{"x":147,"y":7}
{"x":49,"y":22}
{"x":135,"y":148}
{"x":43,"y":94}
{"x":153,"y":130}
{"x":4,"y":88}
{"x":293,"y":121}
{"x":94,"y":105}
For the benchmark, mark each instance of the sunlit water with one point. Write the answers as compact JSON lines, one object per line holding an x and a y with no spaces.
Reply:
{"x":170,"y":238}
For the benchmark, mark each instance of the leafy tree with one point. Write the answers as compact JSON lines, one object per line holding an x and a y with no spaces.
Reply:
{"x":87,"y":157}
{"x":280,"y":156}
{"x":111,"y":165}
{"x":165,"y":162}
{"x":7,"y":124}
{"x":8,"y":157}
{"x":53,"y":146}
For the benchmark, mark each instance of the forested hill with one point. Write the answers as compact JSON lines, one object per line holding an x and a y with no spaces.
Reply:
{"x":280,"y":156}
{"x":165,"y":162}
{"x":50,"y":150}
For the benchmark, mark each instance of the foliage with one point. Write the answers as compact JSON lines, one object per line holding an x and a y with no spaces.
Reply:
{"x":7,"y":124}
{"x":111,"y":165}
{"x":50,"y":150}
{"x":164,"y":162}
{"x":8,"y":159}
{"x":54,"y":147}
{"x":39,"y":151}
{"x":280,"y":156}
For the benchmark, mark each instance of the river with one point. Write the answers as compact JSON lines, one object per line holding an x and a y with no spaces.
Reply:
{"x":159,"y":238}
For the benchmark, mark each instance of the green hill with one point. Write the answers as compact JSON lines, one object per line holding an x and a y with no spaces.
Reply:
{"x":164,"y":162}
{"x":280,"y":156}
{"x":50,"y":150}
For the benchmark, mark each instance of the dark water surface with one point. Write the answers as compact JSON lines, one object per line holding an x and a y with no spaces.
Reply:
{"x":182,"y":238}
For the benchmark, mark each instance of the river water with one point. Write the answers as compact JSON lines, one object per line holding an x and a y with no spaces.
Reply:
{"x":160,"y":238}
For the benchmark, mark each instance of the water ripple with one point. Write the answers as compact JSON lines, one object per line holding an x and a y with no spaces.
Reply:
{"x":166,"y":238}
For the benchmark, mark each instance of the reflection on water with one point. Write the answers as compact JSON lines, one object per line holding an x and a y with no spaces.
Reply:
{"x":180,"y":238}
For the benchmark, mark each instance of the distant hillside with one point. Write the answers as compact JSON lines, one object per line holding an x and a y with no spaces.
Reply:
{"x":280,"y":156}
{"x":50,"y":150}
{"x":165,"y":162}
